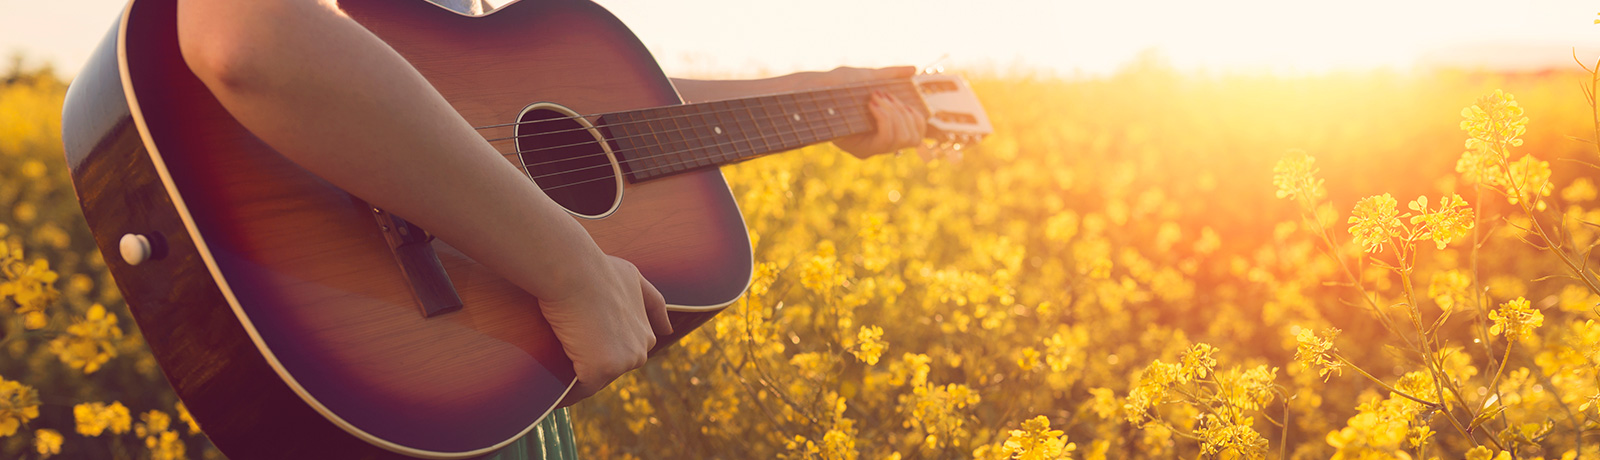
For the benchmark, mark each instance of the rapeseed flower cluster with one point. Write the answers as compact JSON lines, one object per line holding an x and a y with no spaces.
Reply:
{"x":1516,"y":318}
{"x":95,"y":418}
{"x":90,"y":343}
{"x":18,"y":404}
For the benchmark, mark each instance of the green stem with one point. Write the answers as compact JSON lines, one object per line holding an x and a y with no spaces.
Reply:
{"x":1494,"y":384}
{"x":1385,"y":386}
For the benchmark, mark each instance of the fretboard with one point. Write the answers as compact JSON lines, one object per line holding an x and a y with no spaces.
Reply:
{"x":663,"y":141}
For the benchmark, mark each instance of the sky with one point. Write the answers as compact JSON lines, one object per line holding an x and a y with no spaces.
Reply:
{"x":1069,"y":37}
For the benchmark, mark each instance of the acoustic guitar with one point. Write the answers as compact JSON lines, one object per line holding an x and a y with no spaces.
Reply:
{"x":297,"y":321}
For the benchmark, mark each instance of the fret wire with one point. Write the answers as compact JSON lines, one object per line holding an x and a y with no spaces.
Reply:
{"x":729,"y":152}
{"x":838,"y":111}
{"x":642,"y":174}
{"x":645,"y":174}
{"x":752,"y":126}
{"x":690,"y":136}
{"x":810,"y":105}
{"x":888,"y":81}
{"x":788,"y":137}
{"x":742,"y":125}
{"x":662,"y":160}
{"x":675,"y":142}
{"x":634,"y":118}
{"x":892,"y":86}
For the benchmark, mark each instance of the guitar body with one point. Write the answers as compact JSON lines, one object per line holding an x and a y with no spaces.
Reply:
{"x":271,"y":298}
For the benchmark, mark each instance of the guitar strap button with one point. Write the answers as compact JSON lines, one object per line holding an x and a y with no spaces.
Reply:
{"x":135,"y":248}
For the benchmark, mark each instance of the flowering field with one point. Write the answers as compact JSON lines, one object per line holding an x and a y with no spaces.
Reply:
{"x":1152,"y":264}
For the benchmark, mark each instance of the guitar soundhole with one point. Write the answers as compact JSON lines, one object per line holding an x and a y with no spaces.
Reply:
{"x":569,"y":160}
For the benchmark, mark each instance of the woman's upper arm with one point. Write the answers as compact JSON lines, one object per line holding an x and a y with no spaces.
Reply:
{"x":224,"y":41}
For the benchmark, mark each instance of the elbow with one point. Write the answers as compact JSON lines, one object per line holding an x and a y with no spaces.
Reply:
{"x":231,"y":45}
{"x":223,"y":65}
{"x":217,"y":51}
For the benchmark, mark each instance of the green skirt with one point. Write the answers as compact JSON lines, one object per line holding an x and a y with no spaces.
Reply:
{"x":551,"y":439}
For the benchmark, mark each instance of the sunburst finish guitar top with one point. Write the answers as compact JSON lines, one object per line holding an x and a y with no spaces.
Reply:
{"x":296,"y":321}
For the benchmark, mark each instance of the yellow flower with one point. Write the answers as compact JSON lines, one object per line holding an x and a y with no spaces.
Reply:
{"x":1295,"y":177}
{"x":1197,"y":362}
{"x":1483,"y":453}
{"x":1580,"y":190}
{"x":1227,"y":434}
{"x":29,"y":285}
{"x":870,"y":344}
{"x":18,"y":404}
{"x":47,"y":442}
{"x":1530,"y":182}
{"x":1036,"y":441}
{"x":1494,"y":122}
{"x":1482,"y":167}
{"x":1453,"y":219}
{"x":1418,"y":437}
{"x":761,"y":280}
{"x":1516,"y":318}
{"x":1374,"y":221}
{"x":823,"y":273}
{"x":95,"y":418}
{"x":1317,"y":352}
{"x":1150,"y":390}
{"x":1104,"y":403}
{"x":165,"y":446}
{"x":936,"y":410}
{"x":183,"y":415}
{"x":152,"y":422}
{"x":1450,"y":289}
{"x":1576,"y":298}
{"x":839,"y":443}
{"x":1061,"y":227}
{"x":88,"y":344}
{"x":1029,"y":359}
{"x":1252,"y":389}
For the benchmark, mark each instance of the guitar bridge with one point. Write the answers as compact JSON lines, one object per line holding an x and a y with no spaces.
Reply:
{"x":413,"y":250}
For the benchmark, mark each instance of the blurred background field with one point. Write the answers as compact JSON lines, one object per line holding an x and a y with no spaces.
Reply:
{"x":1110,"y":275}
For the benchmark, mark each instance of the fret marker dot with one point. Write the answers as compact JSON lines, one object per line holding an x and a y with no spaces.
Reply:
{"x":830,"y":111}
{"x":797,"y":117}
{"x":718,"y":129}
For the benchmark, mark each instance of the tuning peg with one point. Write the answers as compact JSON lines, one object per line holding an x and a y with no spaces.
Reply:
{"x":934,"y":67}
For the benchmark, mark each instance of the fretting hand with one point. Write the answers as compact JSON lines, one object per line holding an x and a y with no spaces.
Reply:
{"x":898,"y":125}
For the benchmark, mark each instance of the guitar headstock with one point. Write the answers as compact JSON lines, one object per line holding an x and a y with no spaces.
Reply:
{"x":955,"y":118}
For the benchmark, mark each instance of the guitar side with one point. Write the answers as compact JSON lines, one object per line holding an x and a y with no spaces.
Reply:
{"x":274,"y":305}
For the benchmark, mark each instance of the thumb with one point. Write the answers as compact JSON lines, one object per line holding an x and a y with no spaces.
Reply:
{"x":655,"y":308}
{"x":579,"y":391}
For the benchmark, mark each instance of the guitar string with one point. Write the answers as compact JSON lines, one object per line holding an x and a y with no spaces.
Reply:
{"x":647,"y":170}
{"x":847,"y":120}
{"x":762,"y":137}
{"x":649,"y":120}
{"x":599,"y":114}
{"x":769,"y":116}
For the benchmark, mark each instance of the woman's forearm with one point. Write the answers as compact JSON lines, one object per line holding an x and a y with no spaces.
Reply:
{"x":333,"y":98}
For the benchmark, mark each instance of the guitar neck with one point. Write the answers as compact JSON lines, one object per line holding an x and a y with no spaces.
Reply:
{"x":663,"y":141}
